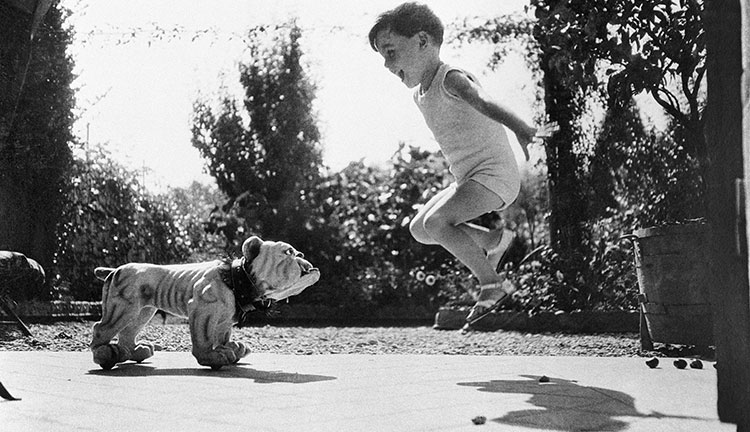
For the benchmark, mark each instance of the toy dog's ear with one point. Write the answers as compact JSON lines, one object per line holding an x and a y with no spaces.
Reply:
{"x":251,"y":248}
{"x":102,"y":273}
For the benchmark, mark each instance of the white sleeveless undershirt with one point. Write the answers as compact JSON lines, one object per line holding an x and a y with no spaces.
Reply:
{"x":475,"y":146}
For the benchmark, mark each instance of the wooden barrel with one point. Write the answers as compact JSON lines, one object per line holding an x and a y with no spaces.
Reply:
{"x":673,"y":276}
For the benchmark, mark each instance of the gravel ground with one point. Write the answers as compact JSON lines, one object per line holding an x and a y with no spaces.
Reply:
{"x":75,"y":336}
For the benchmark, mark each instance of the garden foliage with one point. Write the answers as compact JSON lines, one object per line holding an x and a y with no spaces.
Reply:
{"x":264,"y":152}
{"x":110,"y":219}
{"x":627,"y":176}
{"x":36,"y":118}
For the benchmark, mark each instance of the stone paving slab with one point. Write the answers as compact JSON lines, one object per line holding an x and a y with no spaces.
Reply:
{"x":66,"y":391}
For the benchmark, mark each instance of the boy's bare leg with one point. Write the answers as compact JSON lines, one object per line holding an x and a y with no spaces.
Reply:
{"x":494,"y":241}
{"x":417,"y":223}
{"x":485,"y":238}
{"x":442,"y":223}
{"x":496,"y":253}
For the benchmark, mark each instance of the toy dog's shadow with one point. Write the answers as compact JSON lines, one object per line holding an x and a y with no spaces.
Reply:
{"x":130,"y":369}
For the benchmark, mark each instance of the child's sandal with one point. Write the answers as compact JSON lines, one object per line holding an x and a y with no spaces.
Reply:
{"x":488,"y":300}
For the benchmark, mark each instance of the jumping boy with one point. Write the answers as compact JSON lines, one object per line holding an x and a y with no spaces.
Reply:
{"x":468,"y":125}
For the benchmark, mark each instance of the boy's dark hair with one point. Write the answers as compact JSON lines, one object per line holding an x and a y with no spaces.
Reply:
{"x":407,"y":20}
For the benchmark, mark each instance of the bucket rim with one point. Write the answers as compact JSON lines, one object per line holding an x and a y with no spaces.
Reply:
{"x":673,"y":229}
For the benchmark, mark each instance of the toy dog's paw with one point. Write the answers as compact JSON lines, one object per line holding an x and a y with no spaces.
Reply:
{"x":240,"y":349}
{"x":142,"y":351}
{"x":107,"y":356}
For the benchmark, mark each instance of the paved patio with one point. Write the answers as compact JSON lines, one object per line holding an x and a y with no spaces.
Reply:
{"x":66,"y":391}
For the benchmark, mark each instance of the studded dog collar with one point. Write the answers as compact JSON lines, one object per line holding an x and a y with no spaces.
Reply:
{"x":246,"y":293}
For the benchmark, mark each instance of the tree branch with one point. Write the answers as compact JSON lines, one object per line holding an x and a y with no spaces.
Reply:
{"x":700,"y":72}
{"x":692,"y":102}
{"x":673,"y":110}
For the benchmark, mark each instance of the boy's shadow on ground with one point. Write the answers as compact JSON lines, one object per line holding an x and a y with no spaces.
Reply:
{"x":235,"y":371}
{"x":566,"y":405}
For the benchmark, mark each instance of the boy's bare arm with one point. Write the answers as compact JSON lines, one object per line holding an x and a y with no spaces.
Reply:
{"x":460,"y":85}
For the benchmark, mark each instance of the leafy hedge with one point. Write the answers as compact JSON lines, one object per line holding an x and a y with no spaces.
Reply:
{"x":353,"y":225}
{"x":368,"y":210}
{"x":109,"y":219}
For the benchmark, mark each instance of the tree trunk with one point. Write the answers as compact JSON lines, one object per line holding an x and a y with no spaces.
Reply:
{"x":14,"y":55}
{"x":23,"y":228}
{"x":566,"y":202}
{"x":25,"y":222}
{"x":728,"y":240}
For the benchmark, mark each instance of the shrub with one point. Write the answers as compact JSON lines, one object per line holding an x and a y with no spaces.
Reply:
{"x":363,"y":214}
{"x":546,"y":283}
{"x":109,"y":219}
{"x":190,"y":209}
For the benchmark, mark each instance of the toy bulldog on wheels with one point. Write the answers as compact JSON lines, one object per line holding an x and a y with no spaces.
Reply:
{"x":212,"y":295}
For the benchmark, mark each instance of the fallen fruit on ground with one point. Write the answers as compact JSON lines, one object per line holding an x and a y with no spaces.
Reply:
{"x":479,"y":420}
{"x":654,"y":362}
{"x":680,"y":364}
{"x":696,"y":364}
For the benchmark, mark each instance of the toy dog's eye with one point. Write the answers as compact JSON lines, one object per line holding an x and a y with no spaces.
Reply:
{"x":289,"y":252}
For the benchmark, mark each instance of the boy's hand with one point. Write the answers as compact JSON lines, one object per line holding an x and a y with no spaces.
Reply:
{"x":527,"y":136}
{"x":547,"y":130}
